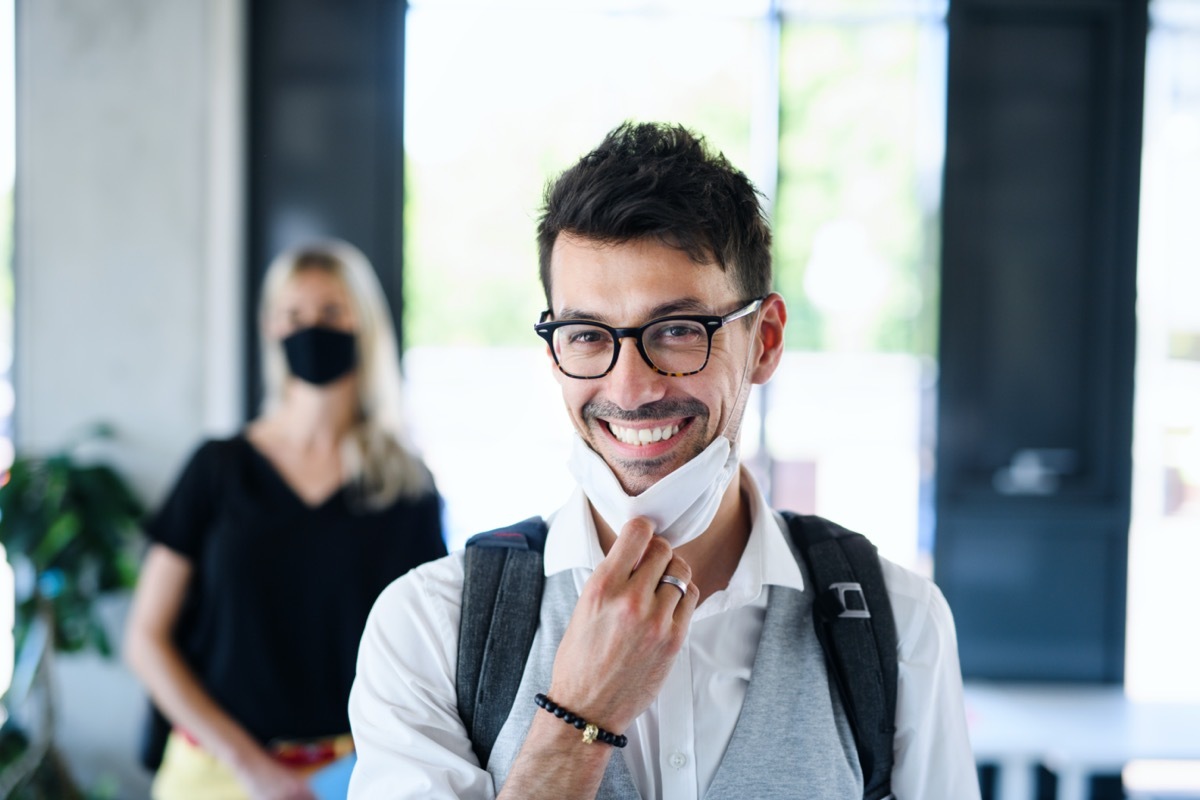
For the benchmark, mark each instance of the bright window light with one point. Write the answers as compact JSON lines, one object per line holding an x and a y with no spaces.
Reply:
{"x":833,"y":109}
{"x":1161,"y":661}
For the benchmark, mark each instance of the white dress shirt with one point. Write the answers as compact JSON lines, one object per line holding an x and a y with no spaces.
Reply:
{"x":411,"y":742}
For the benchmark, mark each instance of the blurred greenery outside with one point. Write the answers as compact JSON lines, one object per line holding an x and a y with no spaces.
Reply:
{"x":847,"y":147}
{"x":847,"y":162}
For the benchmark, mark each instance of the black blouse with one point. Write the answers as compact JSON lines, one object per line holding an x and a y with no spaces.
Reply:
{"x":281,"y":590}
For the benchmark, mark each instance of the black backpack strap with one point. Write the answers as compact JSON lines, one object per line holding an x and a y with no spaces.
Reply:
{"x":853,"y":619}
{"x":502,"y":598}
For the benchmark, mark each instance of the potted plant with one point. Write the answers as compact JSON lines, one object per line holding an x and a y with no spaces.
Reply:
{"x":69,"y":526}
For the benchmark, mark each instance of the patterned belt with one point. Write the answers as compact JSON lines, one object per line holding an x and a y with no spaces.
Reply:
{"x":311,"y":752}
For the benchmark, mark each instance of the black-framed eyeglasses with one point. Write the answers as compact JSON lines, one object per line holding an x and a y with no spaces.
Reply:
{"x":674,"y":346}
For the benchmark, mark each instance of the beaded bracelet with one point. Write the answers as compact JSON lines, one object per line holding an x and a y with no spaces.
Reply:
{"x":591,"y":732}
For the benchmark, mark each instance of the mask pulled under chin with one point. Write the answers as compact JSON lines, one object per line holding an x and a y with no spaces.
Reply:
{"x":681,"y":505}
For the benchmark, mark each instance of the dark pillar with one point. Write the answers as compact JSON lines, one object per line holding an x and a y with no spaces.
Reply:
{"x":325,"y":151}
{"x":1044,"y":115}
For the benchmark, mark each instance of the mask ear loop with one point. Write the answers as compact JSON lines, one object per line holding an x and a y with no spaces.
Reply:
{"x":745,"y":372}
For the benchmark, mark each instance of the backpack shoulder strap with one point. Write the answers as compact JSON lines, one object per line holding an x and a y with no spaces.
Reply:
{"x":502,"y":598}
{"x":853,"y":618}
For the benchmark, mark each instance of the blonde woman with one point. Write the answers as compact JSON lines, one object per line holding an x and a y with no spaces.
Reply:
{"x":268,"y":554}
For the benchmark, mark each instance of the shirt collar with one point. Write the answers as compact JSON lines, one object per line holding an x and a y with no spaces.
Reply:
{"x":572,"y":543}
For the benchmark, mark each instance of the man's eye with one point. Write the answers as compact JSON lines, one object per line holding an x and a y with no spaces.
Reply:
{"x":586,"y":337}
{"x":677,"y":333}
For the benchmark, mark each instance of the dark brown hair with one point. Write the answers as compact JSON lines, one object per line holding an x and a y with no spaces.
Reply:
{"x":660,"y":181}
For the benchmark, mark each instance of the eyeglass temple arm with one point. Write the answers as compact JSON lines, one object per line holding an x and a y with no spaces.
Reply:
{"x":742,"y":312}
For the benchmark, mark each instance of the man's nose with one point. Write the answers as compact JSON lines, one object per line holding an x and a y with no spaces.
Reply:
{"x":632,"y":382}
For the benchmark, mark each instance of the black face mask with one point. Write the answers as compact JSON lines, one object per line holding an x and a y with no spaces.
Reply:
{"x":320,"y":355}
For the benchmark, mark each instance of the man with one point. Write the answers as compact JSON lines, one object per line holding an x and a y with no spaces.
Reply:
{"x":666,"y":573}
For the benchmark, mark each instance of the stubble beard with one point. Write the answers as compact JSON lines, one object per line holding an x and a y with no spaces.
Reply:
{"x":636,"y":475}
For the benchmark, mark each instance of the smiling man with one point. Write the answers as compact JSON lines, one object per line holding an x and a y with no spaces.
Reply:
{"x":673,"y":648}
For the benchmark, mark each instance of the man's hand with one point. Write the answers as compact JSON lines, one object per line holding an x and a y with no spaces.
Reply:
{"x":617,"y":650}
{"x":625,"y":631}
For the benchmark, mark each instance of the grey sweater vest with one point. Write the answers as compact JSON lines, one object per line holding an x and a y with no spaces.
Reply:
{"x":791,"y":740}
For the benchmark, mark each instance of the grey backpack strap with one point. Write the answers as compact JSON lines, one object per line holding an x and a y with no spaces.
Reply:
{"x":502,"y":598}
{"x":853,"y":619}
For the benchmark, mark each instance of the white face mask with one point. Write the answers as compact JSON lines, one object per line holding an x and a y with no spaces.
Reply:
{"x":681,"y":505}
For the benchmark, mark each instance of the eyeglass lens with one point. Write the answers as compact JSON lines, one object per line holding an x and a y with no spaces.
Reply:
{"x":675,"y":346}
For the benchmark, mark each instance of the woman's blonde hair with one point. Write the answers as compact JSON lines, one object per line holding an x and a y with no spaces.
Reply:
{"x":377,"y":455}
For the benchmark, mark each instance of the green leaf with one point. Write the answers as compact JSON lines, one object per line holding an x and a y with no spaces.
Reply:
{"x":80,"y":520}
{"x":58,"y":536}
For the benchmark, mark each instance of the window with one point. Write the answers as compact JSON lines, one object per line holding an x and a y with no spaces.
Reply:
{"x":7,"y":173}
{"x":1164,"y":546}
{"x":832,"y":108}
{"x":856,"y":222}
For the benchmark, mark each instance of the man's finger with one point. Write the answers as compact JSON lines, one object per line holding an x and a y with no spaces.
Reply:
{"x":674,"y":580}
{"x":687,"y":606}
{"x":626,"y":553}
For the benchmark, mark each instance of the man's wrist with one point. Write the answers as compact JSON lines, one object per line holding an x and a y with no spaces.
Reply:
{"x":591,"y":732}
{"x":555,"y":763}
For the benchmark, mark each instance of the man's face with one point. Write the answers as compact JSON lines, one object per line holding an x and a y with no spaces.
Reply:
{"x":630,"y":284}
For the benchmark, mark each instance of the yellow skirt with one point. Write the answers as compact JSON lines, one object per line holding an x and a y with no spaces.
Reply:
{"x":189,"y":772}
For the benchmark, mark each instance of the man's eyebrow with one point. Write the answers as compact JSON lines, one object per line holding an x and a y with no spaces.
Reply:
{"x":684,"y":305}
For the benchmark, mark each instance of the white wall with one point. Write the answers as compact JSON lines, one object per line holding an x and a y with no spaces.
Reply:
{"x":127,"y":268}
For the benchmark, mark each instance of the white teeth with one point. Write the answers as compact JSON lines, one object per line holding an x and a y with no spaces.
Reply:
{"x":643,"y":436}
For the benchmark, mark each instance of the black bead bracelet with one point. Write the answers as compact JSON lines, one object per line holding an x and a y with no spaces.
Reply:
{"x":591,"y":732}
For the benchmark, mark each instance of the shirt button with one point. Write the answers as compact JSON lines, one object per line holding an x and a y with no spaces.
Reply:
{"x":677,"y":760}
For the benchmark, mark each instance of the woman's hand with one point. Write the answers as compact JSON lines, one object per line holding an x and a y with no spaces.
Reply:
{"x":267,"y":779}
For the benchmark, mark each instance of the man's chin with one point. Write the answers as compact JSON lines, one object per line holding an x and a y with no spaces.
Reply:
{"x":636,"y":476}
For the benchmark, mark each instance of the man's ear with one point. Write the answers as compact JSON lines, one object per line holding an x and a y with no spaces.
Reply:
{"x":772,"y":319}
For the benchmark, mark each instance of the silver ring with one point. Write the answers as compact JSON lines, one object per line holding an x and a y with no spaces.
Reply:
{"x":673,"y":581}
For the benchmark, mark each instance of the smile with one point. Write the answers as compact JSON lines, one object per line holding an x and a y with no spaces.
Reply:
{"x":639,"y":437}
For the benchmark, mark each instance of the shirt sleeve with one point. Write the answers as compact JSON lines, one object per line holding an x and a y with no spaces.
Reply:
{"x":182,"y":520}
{"x":409,"y":739}
{"x":933,"y":757}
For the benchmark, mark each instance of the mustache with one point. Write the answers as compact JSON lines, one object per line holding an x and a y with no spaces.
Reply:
{"x":659,"y":409}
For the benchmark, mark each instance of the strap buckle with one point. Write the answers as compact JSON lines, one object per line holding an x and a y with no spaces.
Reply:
{"x":860,"y":610}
